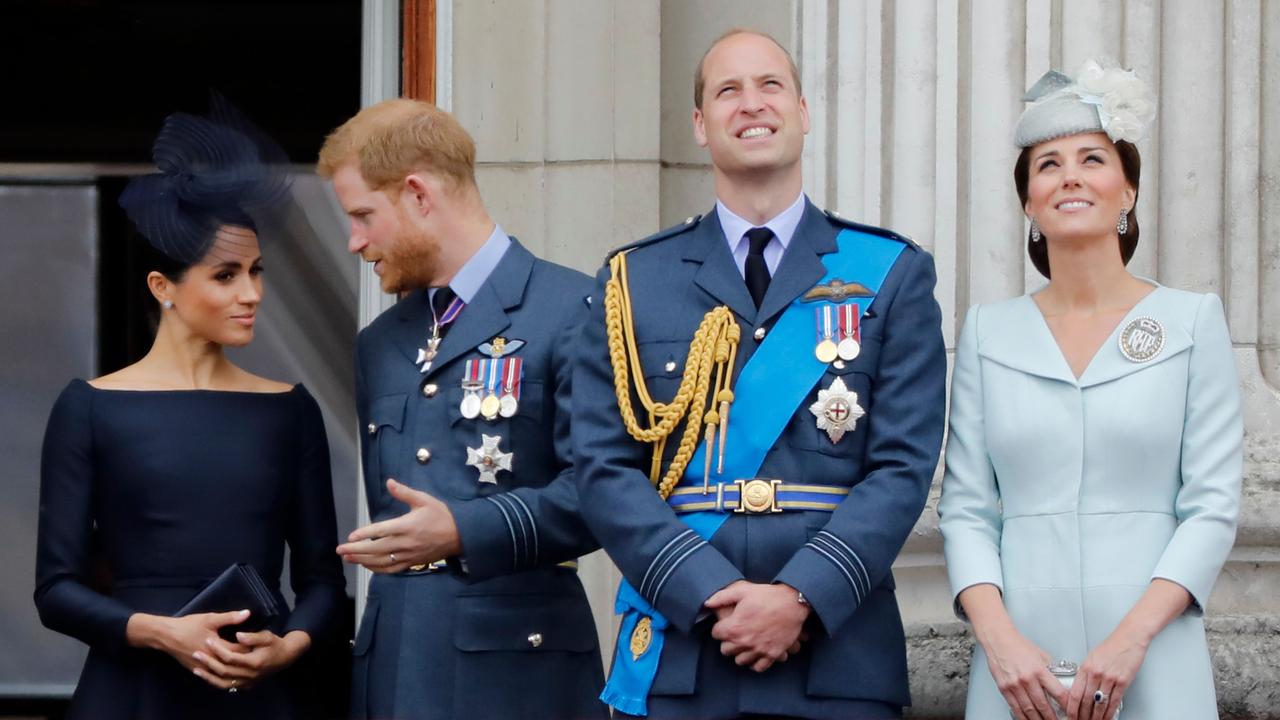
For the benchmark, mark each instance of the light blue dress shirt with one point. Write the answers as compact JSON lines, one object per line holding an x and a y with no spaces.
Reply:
{"x":466,"y":283}
{"x":783,"y":227}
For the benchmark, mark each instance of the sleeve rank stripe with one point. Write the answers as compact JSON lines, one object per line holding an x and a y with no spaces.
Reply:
{"x":524,"y":533}
{"x":527,"y":529}
{"x":668,"y":557}
{"x":663,"y":582}
{"x":515,"y":555}
{"x":865,"y":575}
{"x":511,"y":525}
{"x":839,"y":547}
{"x":533,"y":525}
{"x":845,"y":563}
{"x":840,"y":567}
{"x":648,"y":572}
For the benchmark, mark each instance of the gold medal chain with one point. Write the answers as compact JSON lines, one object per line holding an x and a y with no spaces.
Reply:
{"x":714,"y":347}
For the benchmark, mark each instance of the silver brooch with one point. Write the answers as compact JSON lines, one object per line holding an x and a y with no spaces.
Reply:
{"x":1142,"y":339}
{"x":837,"y":410}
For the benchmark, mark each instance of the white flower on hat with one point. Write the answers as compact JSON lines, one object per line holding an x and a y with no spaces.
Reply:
{"x":1125,"y":105}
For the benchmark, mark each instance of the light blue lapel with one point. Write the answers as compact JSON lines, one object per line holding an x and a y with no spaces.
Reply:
{"x":1176,"y":318}
{"x":1018,"y":337}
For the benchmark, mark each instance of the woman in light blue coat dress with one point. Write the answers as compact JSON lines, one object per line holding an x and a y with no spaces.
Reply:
{"x":1094,"y":458}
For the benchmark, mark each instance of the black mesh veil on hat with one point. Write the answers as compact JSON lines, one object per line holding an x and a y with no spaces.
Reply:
{"x":214,"y":171}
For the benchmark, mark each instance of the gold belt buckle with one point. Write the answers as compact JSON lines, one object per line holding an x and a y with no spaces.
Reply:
{"x":759,"y":495}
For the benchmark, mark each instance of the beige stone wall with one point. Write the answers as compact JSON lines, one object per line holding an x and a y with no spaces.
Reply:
{"x":581,"y":109}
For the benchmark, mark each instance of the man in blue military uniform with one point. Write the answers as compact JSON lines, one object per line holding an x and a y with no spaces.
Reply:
{"x":758,"y":414}
{"x":462,"y":388}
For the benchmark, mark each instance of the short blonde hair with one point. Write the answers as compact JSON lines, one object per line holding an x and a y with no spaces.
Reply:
{"x":396,"y":138}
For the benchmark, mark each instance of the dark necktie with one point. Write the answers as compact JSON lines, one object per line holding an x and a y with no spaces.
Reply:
{"x":756,"y":271}
{"x":440,"y":305}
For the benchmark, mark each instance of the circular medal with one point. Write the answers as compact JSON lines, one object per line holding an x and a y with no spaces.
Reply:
{"x":507,"y":406}
{"x":848,"y":349}
{"x":837,"y":409}
{"x":470,"y":406}
{"x":489,"y":407}
{"x":1142,"y":339}
{"x":826,"y":351}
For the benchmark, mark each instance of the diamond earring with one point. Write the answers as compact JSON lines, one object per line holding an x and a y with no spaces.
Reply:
{"x":1122,"y":226}
{"x":1035,"y":231}
{"x":167,"y":304}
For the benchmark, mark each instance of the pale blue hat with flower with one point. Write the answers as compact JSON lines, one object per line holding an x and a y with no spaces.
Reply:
{"x":1101,"y":98}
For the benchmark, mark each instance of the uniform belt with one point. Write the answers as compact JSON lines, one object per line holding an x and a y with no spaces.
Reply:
{"x":428,"y":569}
{"x":757,"y":495}
{"x":443,"y":566}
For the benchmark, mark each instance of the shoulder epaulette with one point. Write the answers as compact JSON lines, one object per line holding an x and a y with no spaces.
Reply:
{"x":871,"y":229}
{"x":689,"y":224}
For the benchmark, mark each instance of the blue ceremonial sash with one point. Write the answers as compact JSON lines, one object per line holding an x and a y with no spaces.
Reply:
{"x":772,"y":384}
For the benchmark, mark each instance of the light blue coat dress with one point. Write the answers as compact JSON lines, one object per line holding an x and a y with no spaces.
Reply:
{"x":1071,"y":495}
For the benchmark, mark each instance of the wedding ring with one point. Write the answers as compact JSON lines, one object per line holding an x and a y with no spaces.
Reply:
{"x":392,"y":556}
{"x":1099,"y":697}
{"x":233,"y":687}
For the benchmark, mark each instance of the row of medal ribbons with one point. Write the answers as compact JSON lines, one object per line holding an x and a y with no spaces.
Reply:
{"x":491,"y":388}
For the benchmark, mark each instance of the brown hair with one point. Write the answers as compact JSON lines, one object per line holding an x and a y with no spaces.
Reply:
{"x":699,"y":82}
{"x":395,"y":138}
{"x":1130,"y":163}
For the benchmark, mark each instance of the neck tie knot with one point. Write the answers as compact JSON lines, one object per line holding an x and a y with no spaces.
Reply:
{"x":758,"y":237}
{"x":441,"y":300}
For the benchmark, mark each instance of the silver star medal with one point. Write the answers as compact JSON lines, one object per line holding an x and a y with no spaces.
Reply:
{"x":837,"y":410}
{"x":488,"y":459}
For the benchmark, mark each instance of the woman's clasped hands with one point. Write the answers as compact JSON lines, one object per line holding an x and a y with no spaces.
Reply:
{"x":194,"y":642}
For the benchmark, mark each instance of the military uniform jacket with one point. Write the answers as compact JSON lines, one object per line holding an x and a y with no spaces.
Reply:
{"x":506,"y":632}
{"x":840,"y":561}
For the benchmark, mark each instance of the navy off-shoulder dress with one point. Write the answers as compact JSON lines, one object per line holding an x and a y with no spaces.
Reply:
{"x":168,"y":488}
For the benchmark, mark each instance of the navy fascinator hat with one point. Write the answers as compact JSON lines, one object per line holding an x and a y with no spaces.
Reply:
{"x":214,"y":171}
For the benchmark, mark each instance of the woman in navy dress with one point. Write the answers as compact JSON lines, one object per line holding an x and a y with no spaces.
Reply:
{"x":182,"y":464}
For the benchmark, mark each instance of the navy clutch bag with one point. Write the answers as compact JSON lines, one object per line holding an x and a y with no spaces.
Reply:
{"x":239,"y":587}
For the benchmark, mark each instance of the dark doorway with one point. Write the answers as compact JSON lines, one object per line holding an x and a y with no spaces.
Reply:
{"x":91,"y":80}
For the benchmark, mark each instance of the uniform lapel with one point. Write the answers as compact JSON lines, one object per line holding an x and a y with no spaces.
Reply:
{"x":719,"y":275}
{"x":801,"y":267}
{"x":411,"y":333}
{"x":484,"y":317}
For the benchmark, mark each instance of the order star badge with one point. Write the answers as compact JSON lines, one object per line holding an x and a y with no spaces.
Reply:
{"x":488,"y":459}
{"x":837,"y":410}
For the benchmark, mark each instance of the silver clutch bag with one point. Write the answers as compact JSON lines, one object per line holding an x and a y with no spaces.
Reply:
{"x":1066,"y":671}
